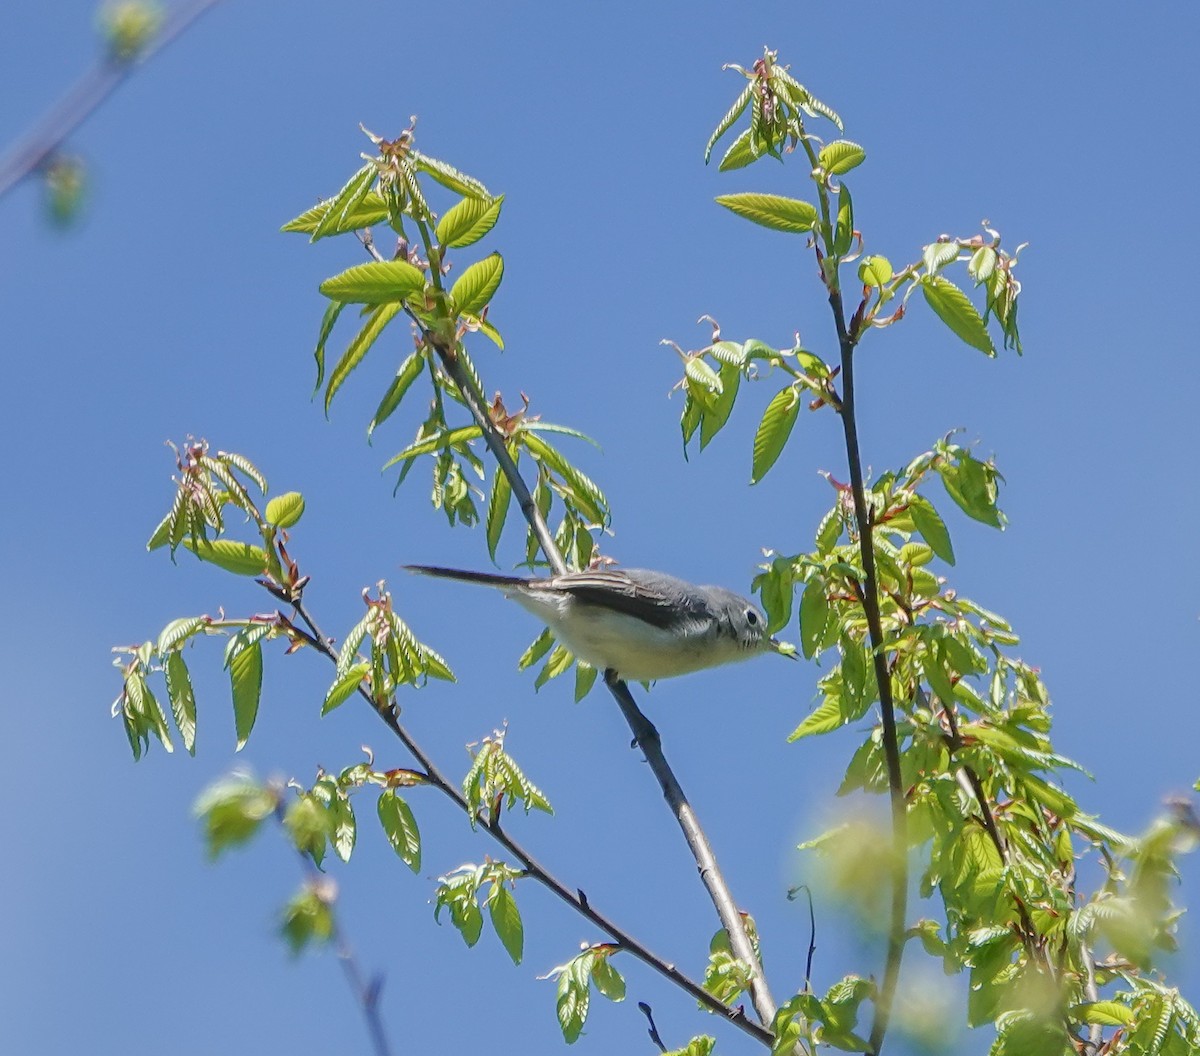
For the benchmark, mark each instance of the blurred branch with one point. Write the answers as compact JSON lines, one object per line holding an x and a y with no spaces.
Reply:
{"x":31,"y":154}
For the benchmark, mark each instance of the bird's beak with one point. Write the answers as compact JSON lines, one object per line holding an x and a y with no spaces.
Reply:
{"x":783,"y":648}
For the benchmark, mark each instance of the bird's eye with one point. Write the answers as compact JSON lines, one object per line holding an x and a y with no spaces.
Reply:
{"x":752,"y":617}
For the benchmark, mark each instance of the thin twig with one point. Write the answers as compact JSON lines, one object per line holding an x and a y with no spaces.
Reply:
{"x":643,"y":730}
{"x":532,"y":867}
{"x":652,"y":1030}
{"x":366,"y":992}
{"x":85,"y":97}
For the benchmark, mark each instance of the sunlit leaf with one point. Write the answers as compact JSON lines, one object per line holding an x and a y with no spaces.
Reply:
{"x":285,"y":510}
{"x":468,"y":221}
{"x":955,"y":309}
{"x":841,"y":156}
{"x":245,"y":674}
{"x":475,"y":287}
{"x":377,"y":320}
{"x":377,"y":282}
{"x":774,"y":430}
{"x":243,"y":559}
{"x":400,"y":827}
{"x":772,"y":210}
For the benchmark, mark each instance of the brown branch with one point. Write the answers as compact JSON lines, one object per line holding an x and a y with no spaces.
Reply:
{"x":84,"y":98}
{"x":532,"y":867}
{"x":891,"y":743}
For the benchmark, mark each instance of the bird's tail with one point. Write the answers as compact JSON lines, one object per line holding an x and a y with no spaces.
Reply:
{"x":488,"y":579}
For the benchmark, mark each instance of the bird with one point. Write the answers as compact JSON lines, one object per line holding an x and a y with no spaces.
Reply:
{"x":635,"y":624}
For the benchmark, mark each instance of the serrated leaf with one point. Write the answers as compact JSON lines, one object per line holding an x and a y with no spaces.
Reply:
{"x":1108,"y":1013}
{"x":448,"y":176}
{"x":345,"y":201}
{"x":245,"y":674}
{"x":931,"y":526}
{"x":243,"y":559}
{"x":400,"y":827}
{"x":435,"y":443}
{"x":178,"y":631}
{"x":825,"y":718}
{"x":474,"y":288}
{"x":772,"y":210}
{"x":572,"y":1006}
{"x":843,"y":236}
{"x":379,"y":282}
{"x":285,"y":510}
{"x":731,"y":115}
{"x":982,"y":264}
{"x":371,"y":210}
{"x":183,"y":699}
{"x":955,"y":309}
{"x":538,"y":648}
{"x":468,"y":221}
{"x":875,"y":271}
{"x":608,"y":980}
{"x":841,"y":156}
{"x":345,"y":686}
{"x":972,"y":485}
{"x":506,"y":919}
{"x":497,"y":511}
{"x":345,"y":828}
{"x":722,"y":405}
{"x":587,"y":495}
{"x":774,"y":430}
{"x":332,"y":311}
{"x":377,"y":320}
{"x":409,"y":371}
{"x":814,"y":615}
{"x":739,"y":154}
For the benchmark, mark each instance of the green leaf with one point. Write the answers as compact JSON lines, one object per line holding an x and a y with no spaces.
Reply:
{"x":875,"y":271}
{"x":608,"y":980}
{"x":506,"y":919}
{"x":332,"y":312}
{"x":537,"y":649}
{"x":955,"y":309}
{"x":438,"y":442}
{"x":400,"y":827}
{"x":345,"y":828}
{"x":774,"y":430}
{"x":379,"y":282}
{"x":1108,"y":1013}
{"x":345,"y":202}
{"x":825,"y":718}
{"x":726,"y":123}
{"x":841,"y":156}
{"x":178,"y":631}
{"x":585,"y":678}
{"x":474,"y":288}
{"x":345,"y":686}
{"x":468,"y":221}
{"x":574,"y":998}
{"x":560,"y":660}
{"x":183,"y":699}
{"x":449,"y":177}
{"x":371,"y":210}
{"x":379,"y":318}
{"x":740,"y":153}
{"x":772,"y":210}
{"x":497,"y":510}
{"x":717,"y":415}
{"x":814,"y":615}
{"x":239,"y":558}
{"x":972,"y":484}
{"x":232,"y":810}
{"x":931,"y":526}
{"x":409,"y":371}
{"x":843,"y":238}
{"x":586,"y":494}
{"x":245,"y":674}
{"x":982,"y":264}
{"x":285,"y":510}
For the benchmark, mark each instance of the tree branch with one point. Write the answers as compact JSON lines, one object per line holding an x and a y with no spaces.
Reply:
{"x":532,"y":867}
{"x":891,"y":744}
{"x":84,"y":98}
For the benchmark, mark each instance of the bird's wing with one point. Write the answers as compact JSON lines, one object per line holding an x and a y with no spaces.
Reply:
{"x":650,"y":596}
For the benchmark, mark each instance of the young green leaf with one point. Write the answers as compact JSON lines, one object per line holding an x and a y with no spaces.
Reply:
{"x":841,"y":156}
{"x":475,"y":287}
{"x":178,"y":631}
{"x":772,"y":210}
{"x":400,"y":827}
{"x":740,"y":153}
{"x":843,"y":237}
{"x":774,"y":430}
{"x":537,"y":649}
{"x":285,"y":510}
{"x":497,"y":510}
{"x":449,"y":177}
{"x":931,"y":526}
{"x":232,"y":809}
{"x":875,"y":271}
{"x":730,"y":378}
{"x":345,"y":686}
{"x":371,"y":210}
{"x":379,"y":282}
{"x":955,"y":309}
{"x":379,"y":318}
{"x":331,"y":314}
{"x":814,"y":615}
{"x":346,"y":201}
{"x":409,"y":371}
{"x":245,"y":674}
{"x":240,"y":558}
{"x":183,"y":699}
{"x":506,"y":919}
{"x":726,"y":123}
{"x":468,"y":221}
{"x":973,"y":485}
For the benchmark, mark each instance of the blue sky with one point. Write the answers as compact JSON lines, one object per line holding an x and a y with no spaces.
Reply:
{"x":175,"y":307}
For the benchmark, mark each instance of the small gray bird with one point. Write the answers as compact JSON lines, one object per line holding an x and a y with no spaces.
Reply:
{"x":644,"y":625}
